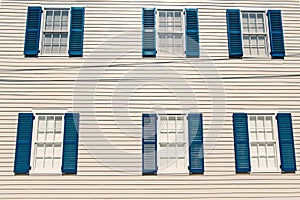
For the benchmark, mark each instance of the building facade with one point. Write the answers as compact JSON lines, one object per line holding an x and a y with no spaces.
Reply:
{"x":154,"y":100}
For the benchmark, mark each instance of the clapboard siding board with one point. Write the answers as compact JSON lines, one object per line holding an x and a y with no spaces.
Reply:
{"x":110,"y":164}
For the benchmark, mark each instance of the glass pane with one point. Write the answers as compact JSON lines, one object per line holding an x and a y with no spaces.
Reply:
{"x":50,"y":123}
{"x":181,"y":163}
{"x":47,"y":49}
{"x":39,"y":164}
{"x":55,"y":49}
{"x":253,"y":149}
{"x":247,"y":50}
{"x":58,"y":123}
{"x":56,"y":163}
{"x":49,"y":151}
{"x":260,"y":18}
{"x":48,"y":24}
{"x":57,"y":15}
{"x":272,"y":162}
{"x":260,"y":128}
{"x":56,"y":38}
{"x":180,"y":137}
{"x":40,"y":150}
{"x":163,"y":151}
{"x":261,"y":41}
{"x":245,"y":23}
{"x":57,"y":151}
{"x":172,"y":151}
{"x":48,"y":164}
{"x":178,"y":44}
{"x":261,"y":150}
{"x":179,"y":123}
{"x":246,"y":40}
{"x":254,"y":163}
{"x":271,"y":149}
{"x":263,"y":162}
{"x":56,"y":26}
{"x":47,"y":39}
{"x":64,"y":23}
{"x":171,"y":124}
{"x":180,"y":150}
{"x":252,"y":22}
{"x":170,"y":21}
{"x":163,"y":163}
{"x":41,"y":123}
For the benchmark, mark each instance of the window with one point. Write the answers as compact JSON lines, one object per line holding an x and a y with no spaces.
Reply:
{"x":263,"y":142}
{"x":255,"y":37}
{"x":47,"y":143}
{"x":170,"y":32}
{"x":176,"y":32}
{"x":54,"y":31}
{"x":255,"y":34}
{"x":172,"y":143}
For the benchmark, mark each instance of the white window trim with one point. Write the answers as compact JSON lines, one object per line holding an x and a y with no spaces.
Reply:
{"x":44,"y":8}
{"x":34,"y":133}
{"x":182,"y":9}
{"x":268,"y":45}
{"x":273,"y":114}
{"x":186,"y":172}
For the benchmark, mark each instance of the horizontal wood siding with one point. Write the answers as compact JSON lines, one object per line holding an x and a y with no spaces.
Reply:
{"x":123,"y":85}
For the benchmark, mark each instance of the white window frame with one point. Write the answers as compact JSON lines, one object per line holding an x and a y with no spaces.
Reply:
{"x":43,"y":22}
{"x":33,"y":171}
{"x":266,"y":23}
{"x":275,"y":129}
{"x":185,"y":172}
{"x":160,"y":54}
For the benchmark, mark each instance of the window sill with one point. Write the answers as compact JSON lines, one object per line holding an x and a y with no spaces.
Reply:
{"x":54,"y":55}
{"x":45,"y":174}
{"x":257,"y":58}
{"x":173,"y":173}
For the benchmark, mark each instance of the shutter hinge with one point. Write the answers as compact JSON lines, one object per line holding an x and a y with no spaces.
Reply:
{"x":29,"y":167}
{"x":42,"y":11}
{"x":280,"y":166}
{"x":276,"y":117}
{"x":183,"y":12}
{"x":187,"y":117}
{"x":33,"y":118}
{"x":184,"y":52}
{"x":189,"y":168}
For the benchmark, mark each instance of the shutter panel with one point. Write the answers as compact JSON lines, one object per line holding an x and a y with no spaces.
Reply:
{"x":241,"y":143}
{"x":23,"y":143}
{"x":192,"y":33}
{"x":276,"y":34}
{"x":234,"y":33}
{"x":196,"y":156}
{"x":76,"y":32}
{"x":286,"y":142}
{"x":149,"y":143}
{"x":149,"y":46}
{"x":32,"y":35}
{"x":70,"y":143}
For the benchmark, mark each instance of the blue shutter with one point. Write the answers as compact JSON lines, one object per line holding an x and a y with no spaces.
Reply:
{"x":149,"y":43}
{"x":70,"y":143}
{"x":241,"y":143}
{"x":23,"y":143}
{"x":196,"y":156}
{"x":76,"y":31}
{"x":234,"y":33}
{"x":192,"y":32}
{"x":276,"y":34}
{"x":286,"y":142}
{"x":32,"y":35}
{"x":149,"y":143}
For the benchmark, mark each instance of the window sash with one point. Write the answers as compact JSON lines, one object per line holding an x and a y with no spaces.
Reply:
{"x":255,"y":34}
{"x":170,"y":32}
{"x":55,"y":40}
{"x":172,"y":144}
{"x":47,"y":143}
{"x":264,"y":149}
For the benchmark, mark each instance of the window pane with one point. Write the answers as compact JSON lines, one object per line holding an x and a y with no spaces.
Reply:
{"x":39,"y":164}
{"x":48,"y":23}
{"x":163,"y":151}
{"x":50,"y":123}
{"x":40,"y":150}
{"x":57,"y":151}
{"x":253,"y":150}
{"x":245,"y":23}
{"x":49,"y":151}
{"x":170,"y":21}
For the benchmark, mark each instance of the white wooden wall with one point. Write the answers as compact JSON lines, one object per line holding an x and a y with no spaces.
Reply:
{"x":112,"y":85}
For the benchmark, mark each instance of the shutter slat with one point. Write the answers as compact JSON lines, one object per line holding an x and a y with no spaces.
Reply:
{"x":276,"y":34}
{"x":76,"y":31}
{"x":23,"y":143}
{"x":196,"y":156}
{"x":149,"y":39}
{"x":234,"y":33}
{"x":70,"y":143}
{"x":241,"y":143}
{"x":32,"y":35}
{"x":149,"y":143}
{"x":286,"y":142}
{"x":192,"y":33}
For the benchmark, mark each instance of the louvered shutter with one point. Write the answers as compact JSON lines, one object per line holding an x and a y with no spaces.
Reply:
{"x":70,"y":143}
{"x":149,"y":41}
{"x":32,"y":35}
{"x":234,"y":33}
{"x":149,"y":143}
{"x":23,"y":143}
{"x":76,"y":31}
{"x":276,"y":34}
{"x":241,"y":143}
{"x":286,"y":142}
{"x":195,"y":132}
{"x":192,"y":33}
